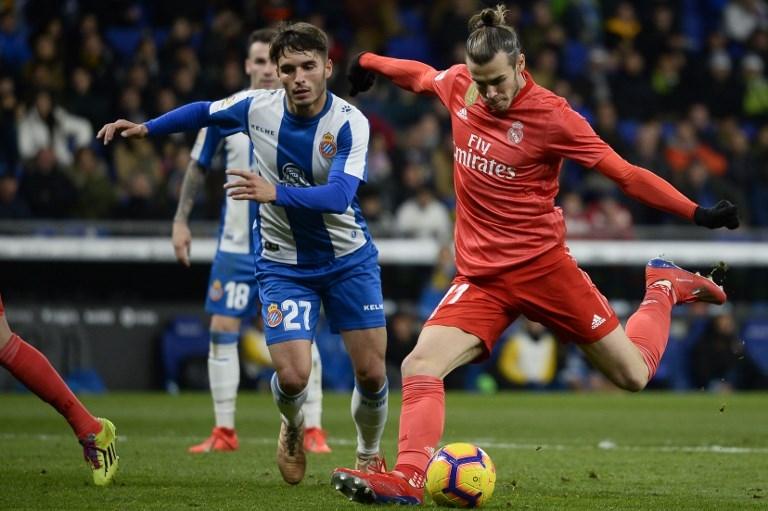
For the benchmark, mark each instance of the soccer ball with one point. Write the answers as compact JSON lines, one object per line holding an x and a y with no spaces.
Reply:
{"x":460,"y":475}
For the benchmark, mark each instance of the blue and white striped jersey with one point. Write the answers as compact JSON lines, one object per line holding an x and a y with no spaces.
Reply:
{"x":300,"y":152}
{"x":237,"y":217}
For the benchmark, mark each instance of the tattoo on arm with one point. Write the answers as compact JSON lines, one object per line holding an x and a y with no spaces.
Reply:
{"x":193,"y":178}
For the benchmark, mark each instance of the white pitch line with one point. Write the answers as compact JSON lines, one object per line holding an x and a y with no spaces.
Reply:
{"x":485,"y":443}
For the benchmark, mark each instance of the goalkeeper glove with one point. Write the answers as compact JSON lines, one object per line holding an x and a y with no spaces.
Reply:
{"x":722,"y":214}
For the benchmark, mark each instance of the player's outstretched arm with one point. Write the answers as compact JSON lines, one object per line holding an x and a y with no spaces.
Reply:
{"x":190,"y":117}
{"x":408,"y":74}
{"x":652,"y":190}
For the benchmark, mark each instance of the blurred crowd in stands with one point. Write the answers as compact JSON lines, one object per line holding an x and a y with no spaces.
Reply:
{"x":678,"y":87}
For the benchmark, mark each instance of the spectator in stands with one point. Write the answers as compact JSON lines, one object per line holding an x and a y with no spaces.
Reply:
{"x":83,"y":101}
{"x":673,"y":93}
{"x":742,"y":17}
{"x":139,"y":201}
{"x":48,"y":125}
{"x":14,"y":48}
{"x":593,"y":84}
{"x":577,"y":222}
{"x":96,"y":194}
{"x":623,"y":26}
{"x":130,"y":106}
{"x":10,"y":111}
{"x":661,"y":34}
{"x":609,"y":219}
{"x":606,"y":125}
{"x":381,"y":223}
{"x":718,"y":354}
{"x":632,"y":93}
{"x":146,"y":56}
{"x":12,"y":207}
{"x":136,"y":156}
{"x":527,"y":358}
{"x":423,"y":216}
{"x":46,"y":188}
{"x":402,"y":333}
{"x":46,"y":65}
{"x":758,"y":188}
{"x":720,"y":90}
{"x":755,"y":88}
{"x":138,"y":78}
{"x":684,"y":147}
{"x":97,"y":59}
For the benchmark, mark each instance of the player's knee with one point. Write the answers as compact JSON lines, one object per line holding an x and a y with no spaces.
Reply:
{"x":292,"y":381}
{"x":633,"y":381}
{"x":371,"y":377}
{"x":225,"y":324}
{"x":416,"y":364}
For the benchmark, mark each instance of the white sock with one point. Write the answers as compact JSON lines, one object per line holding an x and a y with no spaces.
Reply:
{"x":313,"y":406}
{"x":289,"y":406}
{"x":224,"y":378}
{"x":369,"y":411}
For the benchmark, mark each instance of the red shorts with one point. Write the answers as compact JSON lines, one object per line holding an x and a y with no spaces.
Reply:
{"x":551,"y":290}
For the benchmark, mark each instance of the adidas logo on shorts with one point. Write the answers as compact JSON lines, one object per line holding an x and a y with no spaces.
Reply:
{"x":597,"y":321}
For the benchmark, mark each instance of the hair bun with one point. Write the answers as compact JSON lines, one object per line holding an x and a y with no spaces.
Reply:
{"x":489,"y":18}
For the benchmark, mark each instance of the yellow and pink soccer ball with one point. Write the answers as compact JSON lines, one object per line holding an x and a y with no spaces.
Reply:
{"x":460,"y":475}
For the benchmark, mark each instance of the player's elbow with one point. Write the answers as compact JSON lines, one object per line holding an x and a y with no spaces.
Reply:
{"x":338,"y":209}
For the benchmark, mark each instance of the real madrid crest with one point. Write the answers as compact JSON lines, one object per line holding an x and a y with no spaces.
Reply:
{"x":273,"y":317}
{"x":327,"y":146}
{"x":515,"y":132}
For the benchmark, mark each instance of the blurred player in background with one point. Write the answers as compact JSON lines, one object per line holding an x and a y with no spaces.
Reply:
{"x":510,"y":137}
{"x":312,"y":243}
{"x":232,"y":289}
{"x":97,"y":436}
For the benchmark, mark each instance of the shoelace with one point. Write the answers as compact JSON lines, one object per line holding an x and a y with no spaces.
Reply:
{"x":90,"y":452}
{"x":292,"y":440}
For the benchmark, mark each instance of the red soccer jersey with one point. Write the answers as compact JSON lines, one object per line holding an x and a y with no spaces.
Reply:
{"x":506,"y":168}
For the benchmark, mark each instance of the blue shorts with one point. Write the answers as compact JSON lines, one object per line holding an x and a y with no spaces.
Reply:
{"x":232,"y":287}
{"x":349,"y":289}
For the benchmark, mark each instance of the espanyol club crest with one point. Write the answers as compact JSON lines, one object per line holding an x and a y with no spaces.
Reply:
{"x":216,"y":291}
{"x":274,"y":316}
{"x":515,"y":133}
{"x":327,"y":146}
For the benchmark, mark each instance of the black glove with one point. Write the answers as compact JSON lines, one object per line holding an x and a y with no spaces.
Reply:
{"x":722,"y":214}
{"x":360,"y":78}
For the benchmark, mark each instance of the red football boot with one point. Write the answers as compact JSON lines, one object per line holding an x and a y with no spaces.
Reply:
{"x":687,"y":287}
{"x":221,"y":440}
{"x":378,"y":488}
{"x":315,"y":441}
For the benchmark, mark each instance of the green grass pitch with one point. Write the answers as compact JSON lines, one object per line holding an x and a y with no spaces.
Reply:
{"x":611,"y":451}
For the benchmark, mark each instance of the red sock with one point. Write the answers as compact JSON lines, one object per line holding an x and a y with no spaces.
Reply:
{"x":648,"y":328}
{"x":36,"y":372}
{"x":421,"y":423}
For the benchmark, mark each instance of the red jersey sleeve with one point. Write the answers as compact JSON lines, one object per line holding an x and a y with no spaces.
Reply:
{"x":645,"y":186}
{"x":570,"y":136}
{"x":412,"y":75}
